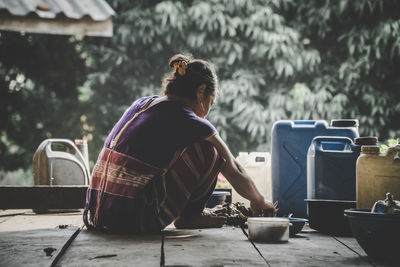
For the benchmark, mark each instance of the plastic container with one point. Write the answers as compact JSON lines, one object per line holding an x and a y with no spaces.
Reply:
{"x":290,"y":143}
{"x":268,"y":229}
{"x":327,"y":216}
{"x":376,"y":174}
{"x":331,"y":167}
{"x":60,"y":162}
{"x":296,"y":225}
{"x":258,"y":167}
{"x":378,"y":234}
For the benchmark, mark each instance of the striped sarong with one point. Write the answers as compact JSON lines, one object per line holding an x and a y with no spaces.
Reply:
{"x":127,"y":195}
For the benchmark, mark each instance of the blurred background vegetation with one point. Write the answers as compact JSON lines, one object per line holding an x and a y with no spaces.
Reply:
{"x":278,"y":59}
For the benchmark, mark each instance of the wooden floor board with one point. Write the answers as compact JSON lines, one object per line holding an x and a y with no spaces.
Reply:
{"x":45,"y":221}
{"x":225,"y":246}
{"x":27,"y":247}
{"x":353,"y":245}
{"x":23,"y":238}
{"x":310,"y":249}
{"x":97,"y":249}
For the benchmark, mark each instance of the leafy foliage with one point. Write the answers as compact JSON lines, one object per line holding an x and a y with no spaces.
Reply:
{"x":38,"y":93}
{"x":359,"y":44}
{"x":255,"y":54}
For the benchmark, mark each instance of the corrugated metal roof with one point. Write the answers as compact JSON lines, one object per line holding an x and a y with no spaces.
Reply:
{"x":98,"y":10}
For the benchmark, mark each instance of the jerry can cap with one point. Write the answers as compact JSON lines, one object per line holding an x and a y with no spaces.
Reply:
{"x":345,"y":123}
{"x":370,"y":149}
{"x":366,"y":140}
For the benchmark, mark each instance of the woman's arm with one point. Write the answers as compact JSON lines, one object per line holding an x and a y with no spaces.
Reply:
{"x":238,"y":177}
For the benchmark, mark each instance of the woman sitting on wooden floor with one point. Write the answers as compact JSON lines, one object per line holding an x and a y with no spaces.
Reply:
{"x":160,"y":162}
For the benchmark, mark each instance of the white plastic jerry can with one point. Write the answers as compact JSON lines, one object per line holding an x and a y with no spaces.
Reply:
{"x":258,"y":167}
{"x":61,"y":162}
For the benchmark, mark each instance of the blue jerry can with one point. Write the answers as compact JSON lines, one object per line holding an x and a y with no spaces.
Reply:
{"x":290,"y":143}
{"x":331,"y":167}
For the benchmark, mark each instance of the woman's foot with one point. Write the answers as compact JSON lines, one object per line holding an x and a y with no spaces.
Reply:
{"x":209,"y":218}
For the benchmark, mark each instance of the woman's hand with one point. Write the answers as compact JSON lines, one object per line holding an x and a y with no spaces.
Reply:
{"x":218,"y":210}
{"x":209,"y":218}
{"x":263,"y":208}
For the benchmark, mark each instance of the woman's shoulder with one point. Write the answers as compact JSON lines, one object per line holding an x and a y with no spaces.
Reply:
{"x":139,"y":103}
{"x":143,"y":100}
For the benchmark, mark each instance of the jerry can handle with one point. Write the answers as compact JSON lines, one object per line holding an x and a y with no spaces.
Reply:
{"x":70,"y":144}
{"x":308,"y":123}
{"x":66,"y":142}
{"x":393,"y":152}
{"x":339,"y":139}
{"x":254,"y":155}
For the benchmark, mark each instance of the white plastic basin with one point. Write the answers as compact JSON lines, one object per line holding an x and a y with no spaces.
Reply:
{"x":268,"y":229}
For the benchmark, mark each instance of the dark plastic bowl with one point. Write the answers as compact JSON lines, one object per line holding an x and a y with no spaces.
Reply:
{"x":297,"y":225}
{"x":217,"y":198}
{"x":377,"y":233}
{"x":327,"y":216}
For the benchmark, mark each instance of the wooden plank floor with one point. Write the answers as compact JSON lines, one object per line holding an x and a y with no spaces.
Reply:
{"x":24,"y":236}
{"x":96,"y":249}
{"x":311,"y":247}
{"x":226,"y":246}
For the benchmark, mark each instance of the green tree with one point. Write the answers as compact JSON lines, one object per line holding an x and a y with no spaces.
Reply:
{"x":256,"y":55}
{"x":39,"y":80}
{"x":359,"y":46}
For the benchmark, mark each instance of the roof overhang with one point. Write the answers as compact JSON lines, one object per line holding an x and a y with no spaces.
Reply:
{"x":62,"y":25}
{"x":65,"y":17}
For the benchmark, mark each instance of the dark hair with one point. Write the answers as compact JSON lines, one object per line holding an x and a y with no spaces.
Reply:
{"x":197,"y":72}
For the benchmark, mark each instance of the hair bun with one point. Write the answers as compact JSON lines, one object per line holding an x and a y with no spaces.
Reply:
{"x":180,"y":67}
{"x":179,"y":63}
{"x":179,"y":58}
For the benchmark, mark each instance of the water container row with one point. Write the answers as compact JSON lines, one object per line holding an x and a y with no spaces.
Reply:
{"x":290,"y":143}
{"x":342,"y":170}
{"x":313,"y":161}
